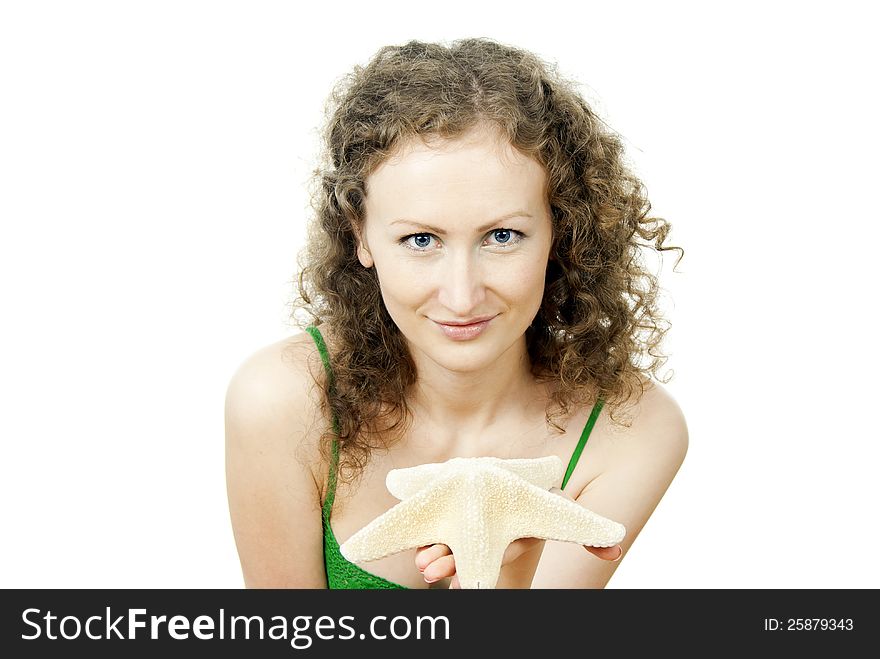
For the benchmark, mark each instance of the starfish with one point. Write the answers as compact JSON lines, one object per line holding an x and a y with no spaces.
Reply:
{"x":478,"y":506}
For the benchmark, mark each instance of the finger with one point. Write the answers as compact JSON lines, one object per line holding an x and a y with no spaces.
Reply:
{"x":614,"y":553}
{"x":440,"y":569}
{"x":454,"y":583}
{"x":430,"y":553}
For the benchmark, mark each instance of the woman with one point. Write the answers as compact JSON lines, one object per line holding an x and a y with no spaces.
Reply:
{"x":474,"y":288}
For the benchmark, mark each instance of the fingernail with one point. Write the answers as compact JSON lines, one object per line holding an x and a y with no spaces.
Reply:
{"x":619,"y":556}
{"x":430,"y":580}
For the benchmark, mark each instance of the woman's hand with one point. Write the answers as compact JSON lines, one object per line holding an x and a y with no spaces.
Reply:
{"x":436,"y":562}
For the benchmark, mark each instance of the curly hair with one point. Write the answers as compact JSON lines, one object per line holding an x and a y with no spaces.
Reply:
{"x":598,"y":319}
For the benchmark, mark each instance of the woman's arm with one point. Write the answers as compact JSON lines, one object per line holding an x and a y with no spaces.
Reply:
{"x":271,"y":462}
{"x":642,"y":461}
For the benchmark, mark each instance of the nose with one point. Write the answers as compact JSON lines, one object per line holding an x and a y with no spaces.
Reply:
{"x":461,"y":283}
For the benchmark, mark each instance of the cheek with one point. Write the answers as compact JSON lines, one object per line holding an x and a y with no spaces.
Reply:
{"x":527,"y":283}
{"x":398,"y":285}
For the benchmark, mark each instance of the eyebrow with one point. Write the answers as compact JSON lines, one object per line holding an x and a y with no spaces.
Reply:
{"x":441,"y":232}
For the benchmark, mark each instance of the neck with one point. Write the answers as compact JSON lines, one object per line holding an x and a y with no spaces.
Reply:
{"x":467,"y":404}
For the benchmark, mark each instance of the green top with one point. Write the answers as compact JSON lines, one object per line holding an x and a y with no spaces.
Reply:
{"x":342,"y":573}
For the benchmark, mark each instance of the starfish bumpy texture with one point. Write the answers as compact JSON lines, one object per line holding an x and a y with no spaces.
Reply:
{"x":478,"y":506}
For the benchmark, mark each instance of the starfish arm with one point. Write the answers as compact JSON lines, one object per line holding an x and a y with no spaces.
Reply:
{"x":404,"y":483}
{"x":543,"y":514}
{"x":478,"y":566}
{"x":479,"y":538}
{"x":414,"y":522}
{"x":540,"y":472}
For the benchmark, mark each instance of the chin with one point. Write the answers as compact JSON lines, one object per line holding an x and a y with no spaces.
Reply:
{"x":467,"y":365}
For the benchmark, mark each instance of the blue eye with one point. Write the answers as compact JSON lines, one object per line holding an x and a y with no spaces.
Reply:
{"x":422,"y":240}
{"x":505,"y":239}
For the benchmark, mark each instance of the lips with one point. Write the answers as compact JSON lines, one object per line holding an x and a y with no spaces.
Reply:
{"x":465,"y":332}
{"x":461,"y":323}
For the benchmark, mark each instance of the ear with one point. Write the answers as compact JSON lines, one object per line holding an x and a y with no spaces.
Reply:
{"x":363,"y":250}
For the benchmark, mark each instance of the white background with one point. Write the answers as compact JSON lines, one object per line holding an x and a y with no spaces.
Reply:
{"x":154,"y":158}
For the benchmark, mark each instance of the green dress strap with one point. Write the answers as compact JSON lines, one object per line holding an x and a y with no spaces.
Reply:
{"x":575,"y":456}
{"x":334,"y":460}
{"x":340,"y":572}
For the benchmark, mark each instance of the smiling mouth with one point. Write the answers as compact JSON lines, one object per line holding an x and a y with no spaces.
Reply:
{"x":465,"y":323}
{"x":465,"y":332}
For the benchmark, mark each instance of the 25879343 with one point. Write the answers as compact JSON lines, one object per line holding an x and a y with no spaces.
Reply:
{"x":808,"y":624}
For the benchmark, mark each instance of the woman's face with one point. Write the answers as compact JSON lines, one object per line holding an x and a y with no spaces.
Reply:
{"x":459,"y":230}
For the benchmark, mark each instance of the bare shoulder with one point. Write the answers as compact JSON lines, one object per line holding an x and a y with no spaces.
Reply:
{"x":651,"y":448}
{"x":274,"y":391}
{"x":274,"y":469}
{"x":641,"y":461}
{"x":658,"y":423}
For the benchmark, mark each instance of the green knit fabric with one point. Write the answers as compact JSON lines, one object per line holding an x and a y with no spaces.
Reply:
{"x":341,"y":573}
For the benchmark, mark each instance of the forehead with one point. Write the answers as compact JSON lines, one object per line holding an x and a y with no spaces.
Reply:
{"x":483,"y":139}
{"x":479,"y":165}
